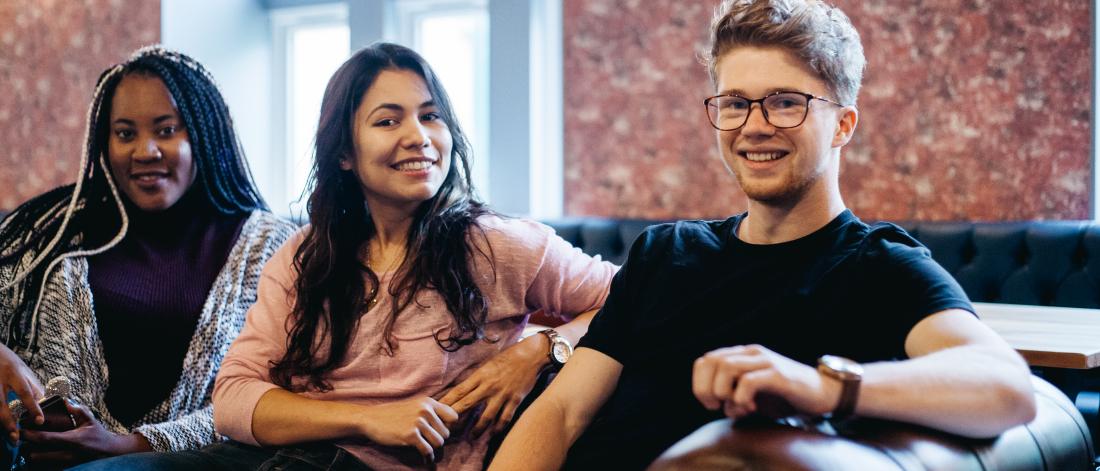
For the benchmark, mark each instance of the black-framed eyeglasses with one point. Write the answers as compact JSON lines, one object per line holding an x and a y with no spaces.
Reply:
{"x":784,"y":109}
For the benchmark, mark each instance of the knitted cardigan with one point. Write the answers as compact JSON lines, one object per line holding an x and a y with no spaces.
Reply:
{"x":68,"y":343}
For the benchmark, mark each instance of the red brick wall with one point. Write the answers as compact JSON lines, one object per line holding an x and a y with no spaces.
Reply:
{"x":51,"y":53}
{"x":969,"y":110}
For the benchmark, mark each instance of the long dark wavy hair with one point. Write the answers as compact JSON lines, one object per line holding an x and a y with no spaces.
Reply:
{"x":332,"y":291}
{"x":60,"y":223}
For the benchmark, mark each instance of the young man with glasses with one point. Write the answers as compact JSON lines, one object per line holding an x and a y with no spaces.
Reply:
{"x":794,"y":307}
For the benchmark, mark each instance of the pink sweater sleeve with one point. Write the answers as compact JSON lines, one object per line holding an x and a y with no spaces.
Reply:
{"x":560,"y":279}
{"x":243,"y":377}
{"x":568,"y":281}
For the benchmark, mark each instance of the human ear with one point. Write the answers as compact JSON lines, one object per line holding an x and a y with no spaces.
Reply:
{"x":846,"y":126}
{"x":345,"y":164}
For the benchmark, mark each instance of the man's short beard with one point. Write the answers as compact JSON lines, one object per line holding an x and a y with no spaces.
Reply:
{"x":786,"y":194}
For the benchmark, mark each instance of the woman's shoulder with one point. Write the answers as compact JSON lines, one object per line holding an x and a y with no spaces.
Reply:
{"x":39,"y":211}
{"x":38,"y":217}
{"x":512,"y":233}
{"x":280,"y":264}
{"x":268,"y":227}
{"x":266,"y":221}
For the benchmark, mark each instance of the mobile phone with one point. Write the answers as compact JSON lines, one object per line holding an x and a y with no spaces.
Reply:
{"x":58,"y":418}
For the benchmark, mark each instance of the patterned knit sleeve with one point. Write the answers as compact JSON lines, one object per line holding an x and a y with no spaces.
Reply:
{"x":189,"y":432}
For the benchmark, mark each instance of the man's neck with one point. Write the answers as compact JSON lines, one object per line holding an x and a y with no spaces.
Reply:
{"x":771,"y":223}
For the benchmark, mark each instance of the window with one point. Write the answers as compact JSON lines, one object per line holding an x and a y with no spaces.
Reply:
{"x":453,"y":36}
{"x":504,"y":58}
{"x":310,"y":43}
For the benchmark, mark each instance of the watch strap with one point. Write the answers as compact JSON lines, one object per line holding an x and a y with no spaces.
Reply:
{"x":553,"y":336}
{"x":849,"y":394}
{"x":850,"y":375}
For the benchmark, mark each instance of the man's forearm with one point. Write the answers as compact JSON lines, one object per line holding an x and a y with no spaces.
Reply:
{"x":539,"y":441}
{"x":543,"y":435}
{"x":576,"y":328}
{"x":975,"y":391}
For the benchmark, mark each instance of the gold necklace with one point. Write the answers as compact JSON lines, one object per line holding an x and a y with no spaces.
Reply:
{"x":374,"y":294}
{"x":373,"y":297}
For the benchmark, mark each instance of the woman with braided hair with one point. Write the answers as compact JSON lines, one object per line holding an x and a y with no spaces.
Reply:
{"x":132,"y":281}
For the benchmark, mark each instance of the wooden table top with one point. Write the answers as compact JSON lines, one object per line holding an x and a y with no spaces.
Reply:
{"x":1060,"y":337}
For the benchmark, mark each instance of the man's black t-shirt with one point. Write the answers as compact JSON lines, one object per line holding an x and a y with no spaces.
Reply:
{"x":690,"y":287}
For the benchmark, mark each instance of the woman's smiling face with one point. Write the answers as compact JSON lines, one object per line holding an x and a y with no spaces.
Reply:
{"x":149,"y":149}
{"x":402,"y":145}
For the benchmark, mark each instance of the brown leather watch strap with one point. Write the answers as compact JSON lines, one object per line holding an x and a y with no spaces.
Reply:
{"x":849,"y":393}
{"x":850,"y":375}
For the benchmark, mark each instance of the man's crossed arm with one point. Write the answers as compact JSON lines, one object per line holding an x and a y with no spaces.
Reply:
{"x":962,"y":378}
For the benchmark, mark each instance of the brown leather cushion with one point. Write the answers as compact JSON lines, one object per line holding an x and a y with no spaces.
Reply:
{"x":1057,"y":439}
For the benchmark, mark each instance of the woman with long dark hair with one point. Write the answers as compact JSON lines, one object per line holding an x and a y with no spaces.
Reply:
{"x":131,"y":282}
{"x":389,"y":326}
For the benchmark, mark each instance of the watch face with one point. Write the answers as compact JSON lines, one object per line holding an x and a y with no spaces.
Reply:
{"x":561,"y":352}
{"x":841,"y":367}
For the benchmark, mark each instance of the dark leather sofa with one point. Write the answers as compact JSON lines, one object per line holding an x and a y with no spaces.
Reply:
{"x":1040,"y":263}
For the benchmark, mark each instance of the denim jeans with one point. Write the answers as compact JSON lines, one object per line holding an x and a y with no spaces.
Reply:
{"x":235,"y":456}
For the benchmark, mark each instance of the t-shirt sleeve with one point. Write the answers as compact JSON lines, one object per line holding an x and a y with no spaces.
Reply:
{"x":610,"y":331}
{"x":910,"y":282}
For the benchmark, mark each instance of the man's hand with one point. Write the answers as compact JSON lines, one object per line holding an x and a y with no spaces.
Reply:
{"x":17,"y":377}
{"x":501,"y":383}
{"x":747,"y":379}
{"x":420,"y":422}
{"x":88,"y":441}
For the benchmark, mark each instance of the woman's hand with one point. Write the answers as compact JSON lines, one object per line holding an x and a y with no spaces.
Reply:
{"x":88,"y":441}
{"x":419,"y":422}
{"x":16,"y":376}
{"x":501,"y":383}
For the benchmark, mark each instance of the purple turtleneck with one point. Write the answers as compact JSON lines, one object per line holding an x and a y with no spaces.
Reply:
{"x":148,"y":293}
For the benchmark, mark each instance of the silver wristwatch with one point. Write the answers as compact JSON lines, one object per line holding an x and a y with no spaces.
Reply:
{"x":560,"y":348}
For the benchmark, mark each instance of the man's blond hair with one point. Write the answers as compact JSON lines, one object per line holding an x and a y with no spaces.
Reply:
{"x":819,"y":34}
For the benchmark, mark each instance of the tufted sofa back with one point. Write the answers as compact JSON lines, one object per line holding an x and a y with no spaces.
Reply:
{"x":1055,"y":263}
{"x":1047,"y":263}
{"x":608,"y":238}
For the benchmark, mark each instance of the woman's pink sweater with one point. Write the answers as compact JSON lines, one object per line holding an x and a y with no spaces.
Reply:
{"x":534,"y":269}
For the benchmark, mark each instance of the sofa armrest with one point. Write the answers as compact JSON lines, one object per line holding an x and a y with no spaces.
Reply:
{"x":1057,"y":439}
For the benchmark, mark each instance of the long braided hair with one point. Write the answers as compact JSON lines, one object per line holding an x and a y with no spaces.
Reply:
{"x":58,"y":224}
{"x":332,"y":293}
